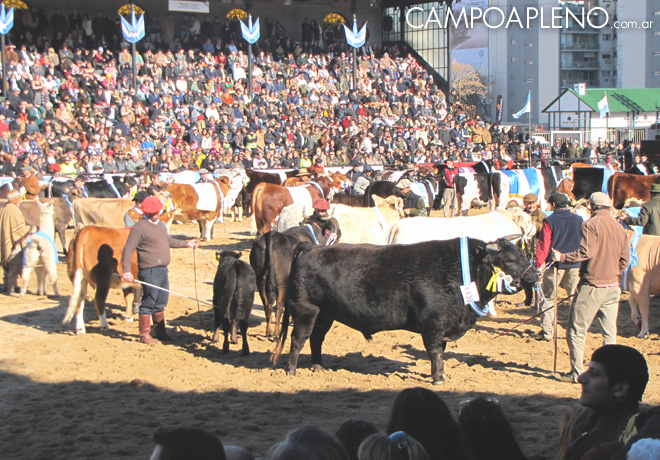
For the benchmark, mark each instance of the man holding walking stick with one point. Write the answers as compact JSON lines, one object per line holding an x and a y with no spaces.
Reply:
{"x":560,"y":231}
{"x":603,"y":254}
{"x":150,"y":238}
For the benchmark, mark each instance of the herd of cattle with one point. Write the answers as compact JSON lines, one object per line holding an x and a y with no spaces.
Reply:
{"x":418,"y":274}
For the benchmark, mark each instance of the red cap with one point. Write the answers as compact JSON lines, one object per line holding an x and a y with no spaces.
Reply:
{"x":321,"y":205}
{"x":55,"y":167}
{"x":152,"y":205}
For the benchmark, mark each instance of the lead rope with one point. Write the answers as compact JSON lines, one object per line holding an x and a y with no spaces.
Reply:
{"x":208,"y":258}
{"x":199,"y":310}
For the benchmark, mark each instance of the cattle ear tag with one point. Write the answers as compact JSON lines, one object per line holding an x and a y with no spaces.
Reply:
{"x":470,"y":293}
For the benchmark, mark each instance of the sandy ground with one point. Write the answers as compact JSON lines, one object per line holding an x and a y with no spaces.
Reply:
{"x":102,"y":395}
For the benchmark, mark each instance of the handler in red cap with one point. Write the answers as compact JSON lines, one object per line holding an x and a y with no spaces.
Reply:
{"x":321,"y":207}
{"x":150,"y":238}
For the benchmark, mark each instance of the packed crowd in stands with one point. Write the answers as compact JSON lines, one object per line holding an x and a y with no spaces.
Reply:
{"x":71,"y":107}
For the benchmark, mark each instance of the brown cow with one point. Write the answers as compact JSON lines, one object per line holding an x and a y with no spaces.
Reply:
{"x":623,"y":186}
{"x":102,"y":212}
{"x":94,"y":255}
{"x":108,"y":212}
{"x":185,"y":199}
{"x":269,"y":200}
{"x":257,"y":176}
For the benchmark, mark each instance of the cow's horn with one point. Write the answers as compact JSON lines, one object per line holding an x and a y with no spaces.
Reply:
{"x":492,"y":248}
{"x":514,"y":237}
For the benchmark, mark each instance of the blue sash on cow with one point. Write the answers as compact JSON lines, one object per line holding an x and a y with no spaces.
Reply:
{"x":522,"y":182}
{"x":50,"y":240}
{"x":465,"y":269}
{"x":607,"y":173}
{"x":311,"y":182}
{"x":634,"y":212}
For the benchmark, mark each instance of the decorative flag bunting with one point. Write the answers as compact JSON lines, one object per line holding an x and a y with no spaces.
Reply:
{"x":6,"y":20}
{"x":251,"y":31}
{"x":353,"y":37}
{"x":133,"y":32}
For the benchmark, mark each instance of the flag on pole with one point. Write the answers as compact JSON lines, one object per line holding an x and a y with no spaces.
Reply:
{"x":251,"y":31}
{"x":527,"y":108}
{"x":6,"y":20}
{"x":133,"y":31}
{"x":603,"y":106}
{"x":354,"y":37}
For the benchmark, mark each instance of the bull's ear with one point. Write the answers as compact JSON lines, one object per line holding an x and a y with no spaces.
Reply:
{"x":514,"y":237}
{"x":238,"y":254}
{"x":492,"y":248}
{"x":218,"y":256}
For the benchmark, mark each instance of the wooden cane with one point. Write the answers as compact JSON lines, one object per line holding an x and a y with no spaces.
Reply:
{"x":554,"y":299}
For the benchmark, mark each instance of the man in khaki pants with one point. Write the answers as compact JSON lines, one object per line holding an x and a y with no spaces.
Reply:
{"x":603,"y":254}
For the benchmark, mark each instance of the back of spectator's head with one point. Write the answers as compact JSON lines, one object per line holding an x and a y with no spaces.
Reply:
{"x":486,"y":429}
{"x":238,"y":453}
{"x":575,"y":421}
{"x":352,"y":432}
{"x":624,"y":365}
{"x":397,"y":446}
{"x":422,"y":414}
{"x":308,"y":443}
{"x":186,"y":443}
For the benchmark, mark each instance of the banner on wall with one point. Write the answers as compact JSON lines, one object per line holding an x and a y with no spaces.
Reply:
{"x":469,"y":45}
{"x":189,"y":6}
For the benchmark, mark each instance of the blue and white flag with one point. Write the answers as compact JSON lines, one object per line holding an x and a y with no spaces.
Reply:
{"x":353,"y":37}
{"x":527,"y":108}
{"x":251,"y":31}
{"x":133,"y":32}
{"x":604,"y":106}
{"x":6,"y":20}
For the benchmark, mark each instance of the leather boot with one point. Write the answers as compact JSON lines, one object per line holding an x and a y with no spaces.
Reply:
{"x":159,"y":327}
{"x":145,"y":330}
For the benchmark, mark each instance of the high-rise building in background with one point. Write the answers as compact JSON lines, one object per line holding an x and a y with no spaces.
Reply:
{"x":547,"y":60}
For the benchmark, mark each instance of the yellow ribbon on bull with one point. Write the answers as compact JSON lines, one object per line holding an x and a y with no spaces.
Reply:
{"x":492,"y":284}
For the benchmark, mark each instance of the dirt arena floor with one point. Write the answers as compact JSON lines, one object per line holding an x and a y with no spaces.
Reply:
{"x":102,"y":395}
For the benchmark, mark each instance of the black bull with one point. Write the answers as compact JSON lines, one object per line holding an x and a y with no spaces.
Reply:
{"x":96,"y":189}
{"x":378,"y":288}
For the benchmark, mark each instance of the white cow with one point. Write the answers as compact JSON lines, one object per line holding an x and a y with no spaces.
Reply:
{"x":357,"y":225}
{"x":644,"y":280}
{"x":238,"y":179}
{"x":485,"y":227}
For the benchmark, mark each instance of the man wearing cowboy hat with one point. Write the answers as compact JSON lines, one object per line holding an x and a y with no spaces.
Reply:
{"x":413,"y":205}
{"x":203,"y":176}
{"x":31,"y":183}
{"x":304,"y":174}
{"x":13,"y":234}
{"x":649,"y":215}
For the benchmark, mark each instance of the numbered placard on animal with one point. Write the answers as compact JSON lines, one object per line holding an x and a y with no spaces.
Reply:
{"x":470,"y":293}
